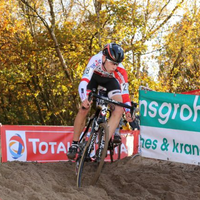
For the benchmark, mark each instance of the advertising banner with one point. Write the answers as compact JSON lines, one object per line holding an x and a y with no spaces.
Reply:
{"x":35,"y":143}
{"x":194,"y":92}
{"x":170,"y":126}
{"x":50,"y":143}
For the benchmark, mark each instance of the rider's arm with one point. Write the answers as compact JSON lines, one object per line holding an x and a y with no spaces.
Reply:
{"x":123,"y":80}
{"x":87,"y":75}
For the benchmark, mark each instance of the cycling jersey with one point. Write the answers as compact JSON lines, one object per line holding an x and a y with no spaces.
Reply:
{"x":95,"y":66}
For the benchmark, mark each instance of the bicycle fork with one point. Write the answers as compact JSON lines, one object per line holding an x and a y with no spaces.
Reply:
{"x":95,"y":140}
{"x":91,"y":146}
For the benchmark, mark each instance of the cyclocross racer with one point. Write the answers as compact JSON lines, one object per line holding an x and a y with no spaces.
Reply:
{"x":104,"y":69}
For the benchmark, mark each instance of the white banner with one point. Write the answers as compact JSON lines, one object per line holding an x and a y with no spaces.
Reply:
{"x":170,"y":126}
{"x":168,"y":144}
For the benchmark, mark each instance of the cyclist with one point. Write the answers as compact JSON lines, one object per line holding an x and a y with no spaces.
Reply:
{"x":104,"y":69}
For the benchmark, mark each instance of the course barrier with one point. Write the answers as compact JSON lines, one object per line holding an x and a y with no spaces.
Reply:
{"x":50,"y":143}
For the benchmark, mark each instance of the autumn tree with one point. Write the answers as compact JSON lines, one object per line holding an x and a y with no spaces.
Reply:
{"x":45,"y":46}
{"x":179,"y":61}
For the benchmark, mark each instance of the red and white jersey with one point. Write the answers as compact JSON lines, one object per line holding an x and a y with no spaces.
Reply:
{"x":95,"y":65}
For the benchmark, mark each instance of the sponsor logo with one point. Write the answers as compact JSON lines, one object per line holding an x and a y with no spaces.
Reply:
{"x":16,"y":146}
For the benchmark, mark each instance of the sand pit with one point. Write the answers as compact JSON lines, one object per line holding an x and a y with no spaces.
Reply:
{"x":129,"y":178}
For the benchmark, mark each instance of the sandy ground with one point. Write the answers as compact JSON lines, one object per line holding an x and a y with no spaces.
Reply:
{"x":129,"y":178}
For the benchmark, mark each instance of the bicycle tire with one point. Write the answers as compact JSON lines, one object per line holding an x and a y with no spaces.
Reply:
{"x":104,"y":153}
{"x":119,"y":151}
{"x":81,"y":164}
{"x":112,"y":147}
{"x":111,"y":150}
{"x":100,"y":164}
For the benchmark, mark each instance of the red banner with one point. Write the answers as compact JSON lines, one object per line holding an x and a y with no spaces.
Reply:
{"x":50,"y":143}
{"x":194,"y":92}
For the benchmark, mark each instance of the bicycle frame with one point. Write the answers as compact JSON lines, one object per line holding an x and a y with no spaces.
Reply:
{"x":100,"y":114}
{"x":99,"y":130}
{"x":99,"y":117}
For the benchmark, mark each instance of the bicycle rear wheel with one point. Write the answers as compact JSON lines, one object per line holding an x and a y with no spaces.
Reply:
{"x":88,"y":172}
{"x":111,"y":148}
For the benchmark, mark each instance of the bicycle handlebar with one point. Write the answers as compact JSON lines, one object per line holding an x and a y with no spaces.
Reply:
{"x":108,"y":100}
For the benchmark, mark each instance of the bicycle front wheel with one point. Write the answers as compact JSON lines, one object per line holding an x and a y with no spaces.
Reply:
{"x":88,"y":172}
{"x":105,"y":135}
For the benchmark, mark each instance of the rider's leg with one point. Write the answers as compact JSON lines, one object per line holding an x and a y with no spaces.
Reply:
{"x":117,"y":136}
{"x":79,"y":125}
{"x":115,"y":117}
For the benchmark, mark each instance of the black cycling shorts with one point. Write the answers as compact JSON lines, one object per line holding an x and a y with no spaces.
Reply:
{"x":110,"y":84}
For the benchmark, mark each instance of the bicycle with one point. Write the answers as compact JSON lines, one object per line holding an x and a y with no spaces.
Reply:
{"x":95,"y":133}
